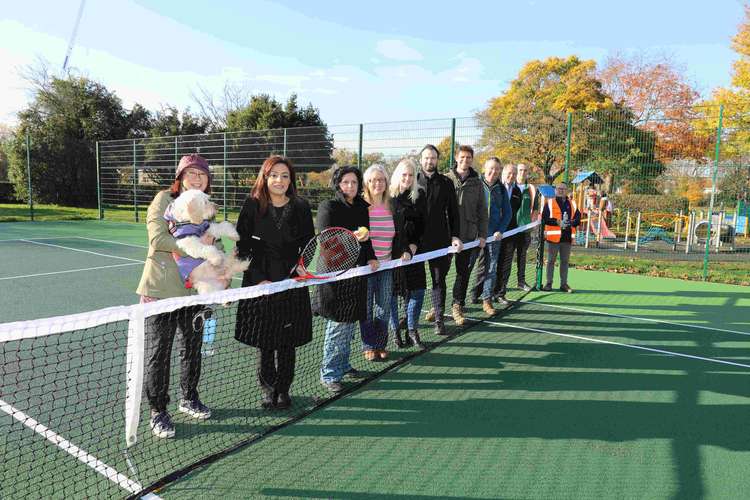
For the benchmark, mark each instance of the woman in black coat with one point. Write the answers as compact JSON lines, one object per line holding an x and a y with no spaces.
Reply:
{"x":343,"y":303}
{"x":274,"y":226}
{"x":408,"y":209}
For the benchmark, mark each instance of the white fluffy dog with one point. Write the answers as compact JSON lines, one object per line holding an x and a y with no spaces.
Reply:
{"x":190,"y":216}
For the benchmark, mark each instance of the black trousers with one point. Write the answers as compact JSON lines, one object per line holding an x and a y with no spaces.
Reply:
{"x":464,"y":264}
{"x":160,"y":334}
{"x":438,"y":272}
{"x":524,"y":240}
{"x":276,"y":368}
{"x":507,"y":250}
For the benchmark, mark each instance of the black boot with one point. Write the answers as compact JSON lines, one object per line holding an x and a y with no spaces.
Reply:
{"x":398,"y":340}
{"x":414,"y":337}
{"x":438,"y":303}
{"x":283,"y":401}
{"x":268,"y":398}
{"x":440,"y":329}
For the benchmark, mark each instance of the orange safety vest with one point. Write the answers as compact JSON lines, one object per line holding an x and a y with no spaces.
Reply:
{"x":553,"y":233}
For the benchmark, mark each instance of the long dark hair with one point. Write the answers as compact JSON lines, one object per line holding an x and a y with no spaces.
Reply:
{"x":260,"y":189}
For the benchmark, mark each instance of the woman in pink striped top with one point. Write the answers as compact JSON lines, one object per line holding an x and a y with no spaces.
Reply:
{"x":374,"y":329}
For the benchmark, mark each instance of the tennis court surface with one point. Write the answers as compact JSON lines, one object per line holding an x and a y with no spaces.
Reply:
{"x":630,"y":387}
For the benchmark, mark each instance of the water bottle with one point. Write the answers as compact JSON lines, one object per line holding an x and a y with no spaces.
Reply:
{"x":209,"y":334}
{"x":565,"y":221}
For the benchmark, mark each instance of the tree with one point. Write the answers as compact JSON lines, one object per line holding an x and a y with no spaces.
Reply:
{"x":64,"y":120}
{"x":6,"y":134}
{"x":169,"y":121}
{"x":527,"y":123}
{"x":661,"y":100}
{"x":734,"y":183}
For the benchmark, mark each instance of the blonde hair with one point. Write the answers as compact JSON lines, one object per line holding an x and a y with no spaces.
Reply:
{"x":369,"y":174}
{"x":396,"y":179}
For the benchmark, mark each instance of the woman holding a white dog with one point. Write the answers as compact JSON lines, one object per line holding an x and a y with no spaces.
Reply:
{"x":274,"y":226}
{"x":161,"y":280}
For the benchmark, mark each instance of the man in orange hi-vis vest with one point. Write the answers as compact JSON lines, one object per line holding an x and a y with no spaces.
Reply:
{"x":560,"y":217}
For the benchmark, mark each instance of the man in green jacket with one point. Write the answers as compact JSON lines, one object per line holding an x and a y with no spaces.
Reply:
{"x":473,"y":217}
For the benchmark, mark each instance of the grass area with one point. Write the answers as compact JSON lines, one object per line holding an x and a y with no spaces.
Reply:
{"x":19,"y":212}
{"x":733,"y":273}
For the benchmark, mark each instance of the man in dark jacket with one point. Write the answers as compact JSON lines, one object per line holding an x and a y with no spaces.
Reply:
{"x":508,"y":246}
{"x":472,"y":214}
{"x":441,"y":228}
{"x":499,"y":212}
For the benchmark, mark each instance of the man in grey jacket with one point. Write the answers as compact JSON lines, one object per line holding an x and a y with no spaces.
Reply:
{"x":472,"y":213}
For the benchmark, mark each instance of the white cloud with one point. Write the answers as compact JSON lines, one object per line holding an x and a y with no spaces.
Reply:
{"x":397,"y":50}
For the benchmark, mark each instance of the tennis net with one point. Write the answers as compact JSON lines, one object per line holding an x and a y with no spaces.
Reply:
{"x":75,"y":391}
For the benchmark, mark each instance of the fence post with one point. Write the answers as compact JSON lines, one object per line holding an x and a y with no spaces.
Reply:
{"x":359,"y":154}
{"x":135,"y":182}
{"x":627,"y":229}
{"x":637,"y":230}
{"x":285,"y":139}
{"x":28,"y":174}
{"x":99,"y":182}
{"x":690,"y":230}
{"x":567,"y":147}
{"x":713,"y":193}
{"x":176,"y":158}
{"x":225,"y":171}
{"x":452,"y":155}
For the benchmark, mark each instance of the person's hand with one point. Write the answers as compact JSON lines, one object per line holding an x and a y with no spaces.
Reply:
{"x":482,"y":242}
{"x":406,"y":257}
{"x":534,"y":215}
{"x":413,"y":248}
{"x":207,"y":239}
{"x":498,"y":236}
{"x":374,"y":264}
{"x":457,"y":245}
{"x":264,"y":282}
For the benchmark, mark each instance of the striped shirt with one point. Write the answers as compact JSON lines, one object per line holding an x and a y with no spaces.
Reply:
{"x":382,"y":231}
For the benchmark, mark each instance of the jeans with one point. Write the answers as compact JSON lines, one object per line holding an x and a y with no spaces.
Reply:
{"x":374,"y":329}
{"x":413,"y":301}
{"x":487,"y":279}
{"x":336,"y":349}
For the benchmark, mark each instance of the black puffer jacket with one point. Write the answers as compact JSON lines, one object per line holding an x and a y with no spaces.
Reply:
{"x":344,"y":301}
{"x":441,"y":216}
{"x":409,"y":220}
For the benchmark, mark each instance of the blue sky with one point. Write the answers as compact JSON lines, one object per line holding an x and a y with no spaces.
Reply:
{"x":355,"y":61}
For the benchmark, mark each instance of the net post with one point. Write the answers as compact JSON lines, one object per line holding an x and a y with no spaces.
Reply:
{"x":28,"y":174}
{"x":713,"y":193}
{"x":135,"y":182}
{"x":359,"y":154}
{"x":568,"y":134}
{"x":134,"y":372}
{"x":452,"y":157}
{"x":627,"y":228}
{"x":225,"y":176}
{"x":99,"y":181}
{"x":540,"y":257}
{"x":637,"y":230}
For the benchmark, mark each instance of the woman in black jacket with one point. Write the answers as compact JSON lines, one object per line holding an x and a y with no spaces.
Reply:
{"x":274,"y":226}
{"x":408,"y":209}
{"x":343,"y":303}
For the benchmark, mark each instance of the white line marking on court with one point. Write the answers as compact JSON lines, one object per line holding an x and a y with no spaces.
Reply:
{"x":653,"y":320}
{"x":68,"y":271}
{"x":68,"y":447}
{"x":109,"y":241}
{"x":83,"y":251}
{"x":630,"y":346}
{"x":47,"y":238}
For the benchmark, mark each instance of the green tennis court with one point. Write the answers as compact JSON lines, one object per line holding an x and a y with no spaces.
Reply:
{"x":548,"y":402}
{"x":631,"y":387}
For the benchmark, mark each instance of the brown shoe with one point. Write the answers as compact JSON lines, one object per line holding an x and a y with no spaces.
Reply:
{"x":370,"y":355}
{"x":430,"y":316}
{"x":458,"y":314}
{"x":487,"y":307}
{"x":383,"y":354}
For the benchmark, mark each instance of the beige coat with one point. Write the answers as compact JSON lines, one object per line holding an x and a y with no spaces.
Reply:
{"x":160,"y":278}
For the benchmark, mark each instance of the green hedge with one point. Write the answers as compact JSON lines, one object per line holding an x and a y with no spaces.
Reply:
{"x":649,"y":202}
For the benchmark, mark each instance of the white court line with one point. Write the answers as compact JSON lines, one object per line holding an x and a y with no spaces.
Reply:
{"x":107,"y":241}
{"x":68,"y":447}
{"x":629,"y":346}
{"x":68,"y":271}
{"x":46,"y":238}
{"x":686,"y":325}
{"x":82,"y":251}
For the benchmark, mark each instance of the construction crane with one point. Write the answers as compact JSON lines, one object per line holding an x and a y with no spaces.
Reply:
{"x":73,"y":36}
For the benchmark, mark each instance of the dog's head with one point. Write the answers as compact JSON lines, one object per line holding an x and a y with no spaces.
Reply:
{"x":194,"y":206}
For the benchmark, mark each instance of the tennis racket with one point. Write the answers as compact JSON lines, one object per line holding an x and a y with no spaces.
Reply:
{"x":332,"y":252}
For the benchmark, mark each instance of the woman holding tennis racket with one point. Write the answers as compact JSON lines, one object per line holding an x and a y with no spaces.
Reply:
{"x":274,"y":226}
{"x":343,"y":303}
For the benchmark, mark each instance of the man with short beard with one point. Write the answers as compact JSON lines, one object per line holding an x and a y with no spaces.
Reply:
{"x":441,"y":228}
{"x":472,"y":211}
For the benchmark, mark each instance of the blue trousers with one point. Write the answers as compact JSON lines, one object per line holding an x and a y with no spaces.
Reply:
{"x":374,"y":329}
{"x":336,"y":349}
